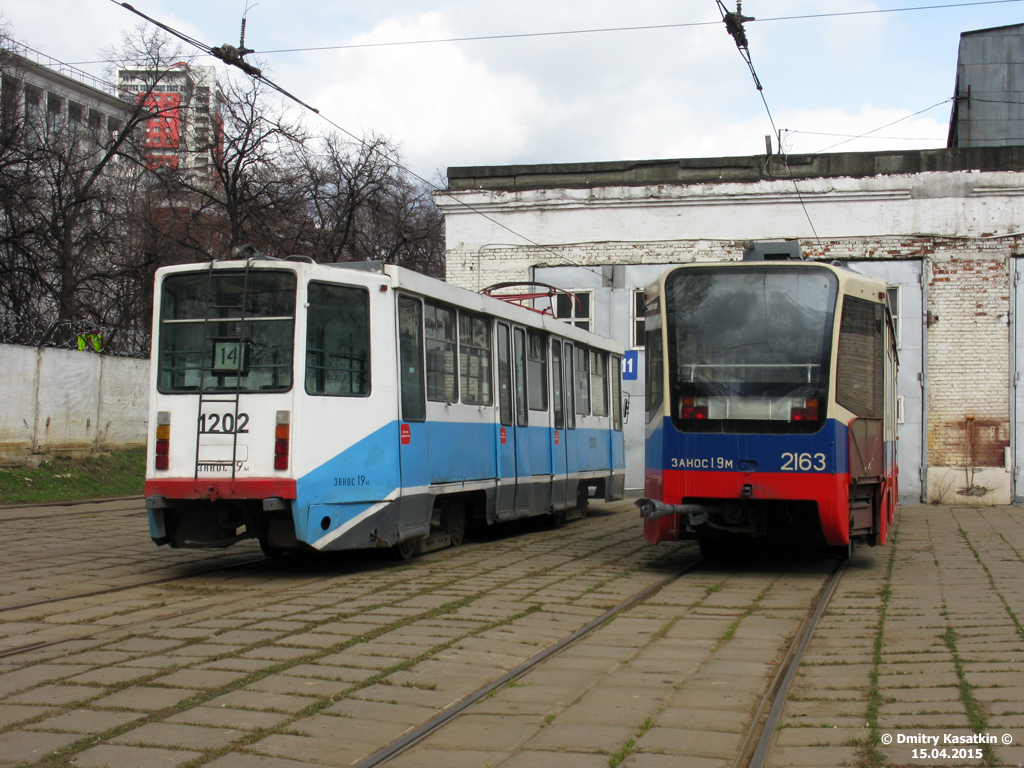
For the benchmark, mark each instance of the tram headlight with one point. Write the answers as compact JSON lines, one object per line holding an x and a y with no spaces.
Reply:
{"x":282,"y":437}
{"x":162,"y":454}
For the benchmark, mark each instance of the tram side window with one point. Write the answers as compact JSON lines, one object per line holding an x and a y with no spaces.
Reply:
{"x":537,"y":365}
{"x":410,"y":354}
{"x":654,"y":381}
{"x":475,"y":359}
{"x":860,"y":367}
{"x":337,"y":340}
{"x":439,"y":323}
{"x":599,"y":377}
{"x":582,"y":381}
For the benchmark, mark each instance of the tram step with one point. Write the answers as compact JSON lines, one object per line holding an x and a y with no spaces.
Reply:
{"x":434,"y":541}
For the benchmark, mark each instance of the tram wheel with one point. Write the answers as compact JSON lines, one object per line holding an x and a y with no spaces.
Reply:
{"x":457,"y":521}
{"x":583,"y":500}
{"x":404,"y":550}
{"x":559,"y":518}
{"x":712,"y":548}
{"x":846,"y":552}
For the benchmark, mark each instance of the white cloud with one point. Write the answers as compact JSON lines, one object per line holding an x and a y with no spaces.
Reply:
{"x":441,"y":107}
{"x":681,"y":92}
{"x":886,"y":129}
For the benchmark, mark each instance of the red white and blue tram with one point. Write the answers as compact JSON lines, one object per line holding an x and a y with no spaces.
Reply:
{"x":771,"y":405}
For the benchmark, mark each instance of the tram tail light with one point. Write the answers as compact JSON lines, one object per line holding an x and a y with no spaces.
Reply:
{"x":282,"y":437}
{"x":808,"y":412}
{"x":690,"y":410}
{"x":162,"y":457}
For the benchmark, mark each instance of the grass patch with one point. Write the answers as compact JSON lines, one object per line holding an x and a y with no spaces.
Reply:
{"x":119,"y":473}
{"x":871,"y":755}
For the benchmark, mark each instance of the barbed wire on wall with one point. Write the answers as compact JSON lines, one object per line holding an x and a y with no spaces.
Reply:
{"x":83,"y":336}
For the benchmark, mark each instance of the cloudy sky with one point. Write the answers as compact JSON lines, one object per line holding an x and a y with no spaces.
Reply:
{"x":678,"y":91}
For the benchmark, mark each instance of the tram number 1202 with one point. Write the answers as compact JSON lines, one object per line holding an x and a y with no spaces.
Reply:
{"x":803,"y":462}
{"x":223,"y":424}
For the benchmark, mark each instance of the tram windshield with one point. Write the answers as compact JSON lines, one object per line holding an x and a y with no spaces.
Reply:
{"x":749,"y":347}
{"x":227,"y":330}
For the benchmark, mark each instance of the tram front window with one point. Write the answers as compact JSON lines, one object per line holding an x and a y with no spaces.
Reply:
{"x":226,"y":330}
{"x":749,"y":348}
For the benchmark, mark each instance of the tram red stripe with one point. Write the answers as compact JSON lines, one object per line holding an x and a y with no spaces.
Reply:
{"x":829,"y":492}
{"x":221,"y":488}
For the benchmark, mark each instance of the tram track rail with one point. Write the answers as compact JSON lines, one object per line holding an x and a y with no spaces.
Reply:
{"x":437,"y":722}
{"x":789,"y":649}
{"x":136,"y":585}
{"x":69,"y":503}
{"x":764,"y":727}
{"x":95,"y":634}
{"x":289,"y":587}
{"x":760,"y":736}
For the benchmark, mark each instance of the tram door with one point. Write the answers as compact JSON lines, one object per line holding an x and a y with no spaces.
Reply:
{"x":533,"y":449}
{"x":505,"y":500}
{"x":412,"y":452}
{"x":559,"y":436}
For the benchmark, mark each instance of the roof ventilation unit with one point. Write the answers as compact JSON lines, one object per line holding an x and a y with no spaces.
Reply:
{"x":787,"y":250}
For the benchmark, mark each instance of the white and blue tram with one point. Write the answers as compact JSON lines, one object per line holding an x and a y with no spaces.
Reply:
{"x":341,"y":406}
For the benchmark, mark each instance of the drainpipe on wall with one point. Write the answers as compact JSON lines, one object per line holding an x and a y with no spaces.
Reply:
{"x":925,"y":270}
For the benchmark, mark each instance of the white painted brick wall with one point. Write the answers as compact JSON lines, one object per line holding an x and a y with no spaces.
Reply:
{"x":947,"y":219}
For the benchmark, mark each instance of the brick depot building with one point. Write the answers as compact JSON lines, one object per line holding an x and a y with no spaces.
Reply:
{"x":944,"y":227}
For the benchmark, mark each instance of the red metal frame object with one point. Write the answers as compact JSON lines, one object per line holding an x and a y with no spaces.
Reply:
{"x":521,"y":299}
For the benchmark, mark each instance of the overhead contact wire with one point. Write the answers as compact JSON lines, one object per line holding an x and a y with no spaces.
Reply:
{"x":255,"y":73}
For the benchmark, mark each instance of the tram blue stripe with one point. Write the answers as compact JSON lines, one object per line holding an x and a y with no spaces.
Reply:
{"x":770,"y":452}
{"x":439,"y":452}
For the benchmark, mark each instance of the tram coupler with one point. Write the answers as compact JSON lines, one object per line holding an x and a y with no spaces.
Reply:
{"x":652,"y":509}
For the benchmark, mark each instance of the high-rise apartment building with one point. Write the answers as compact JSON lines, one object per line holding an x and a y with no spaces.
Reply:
{"x":186,"y":130}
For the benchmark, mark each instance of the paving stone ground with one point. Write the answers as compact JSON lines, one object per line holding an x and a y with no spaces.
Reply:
{"x":322,"y":662}
{"x":923,"y":641}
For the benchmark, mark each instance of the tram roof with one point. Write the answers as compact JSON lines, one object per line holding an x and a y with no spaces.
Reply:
{"x":423,"y":285}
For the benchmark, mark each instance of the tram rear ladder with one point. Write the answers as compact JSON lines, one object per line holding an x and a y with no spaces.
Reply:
{"x":221,"y":397}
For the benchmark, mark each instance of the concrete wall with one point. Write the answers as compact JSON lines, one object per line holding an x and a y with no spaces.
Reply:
{"x":66,"y":403}
{"x":963,"y":223}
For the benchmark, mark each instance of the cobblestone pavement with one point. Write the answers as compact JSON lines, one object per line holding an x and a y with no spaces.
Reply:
{"x":315,"y":660}
{"x":923,"y":640}
{"x":51,"y":551}
{"x":322,"y":661}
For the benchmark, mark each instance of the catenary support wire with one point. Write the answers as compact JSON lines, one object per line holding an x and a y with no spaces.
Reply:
{"x":234,"y":57}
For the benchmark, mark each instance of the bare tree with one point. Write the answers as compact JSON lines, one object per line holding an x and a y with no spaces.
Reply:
{"x":63,"y":215}
{"x":87,"y":215}
{"x":363,"y":206}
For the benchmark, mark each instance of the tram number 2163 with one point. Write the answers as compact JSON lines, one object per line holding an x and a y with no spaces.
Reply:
{"x":803,"y":462}
{"x":223,"y":423}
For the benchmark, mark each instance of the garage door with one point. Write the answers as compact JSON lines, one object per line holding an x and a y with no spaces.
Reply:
{"x":904,"y":279}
